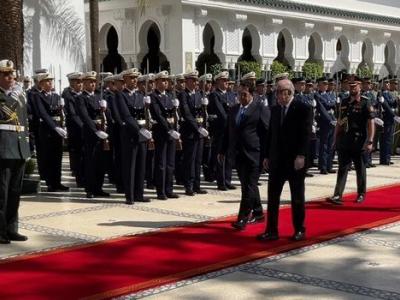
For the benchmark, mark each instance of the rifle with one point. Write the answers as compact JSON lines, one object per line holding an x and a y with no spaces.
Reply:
{"x":147,"y":114}
{"x":103,"y":118}
{"x":177,"y":118}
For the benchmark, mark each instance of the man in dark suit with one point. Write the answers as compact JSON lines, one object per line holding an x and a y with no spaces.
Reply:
{"x":286,"y":148}
{"x":246,"y":132}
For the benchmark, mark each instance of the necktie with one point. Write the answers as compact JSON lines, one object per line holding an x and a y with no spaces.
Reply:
{"x":283,"y":114}
{"x":240,"y":116}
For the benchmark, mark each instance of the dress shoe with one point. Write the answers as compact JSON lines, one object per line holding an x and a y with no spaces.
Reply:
{"x":62,"y":188}
{"x":231,"y":187}
{"x":335,"y":200}
{"x":146,"y":200}
{"x":268,"y":236}
{"x":256,"y":219}
{"x":299,"y":236}
{"x":4,"y":239}
{"x":222,"y":188}
{"x":120,"y":190}
{"x":201,"y":192}
{"x":240,"y":224}
{"x":309,"y":174}
{"x":173,"y":196}
{"x":150,"y":186}
{"x":360,"y":198}
{"x":89,"y":195}
{"x":391,"y":163}
{"x":102,"y":194}
{"x":331,"y":171}
{"x":129,"y":202}
{"x":372,"y":165}
{"x":162,"y":197}
{"x":189,"y":192}
{"x":51,"y":189}
{"x":323,"y":172}
{"x":15,"y":236}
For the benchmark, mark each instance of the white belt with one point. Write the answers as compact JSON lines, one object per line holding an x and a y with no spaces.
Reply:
{"x":16,"y":128}
{"x":141,"y":122}
{"x":57,"y":119}
{"x":171,"y":120}
{"x":331,"y":111}
{"x":199,"y":120}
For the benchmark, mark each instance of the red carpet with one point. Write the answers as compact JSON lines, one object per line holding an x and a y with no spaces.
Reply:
{"x":129,"y":264}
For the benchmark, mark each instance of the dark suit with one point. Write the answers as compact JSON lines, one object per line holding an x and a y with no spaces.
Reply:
{"x":246,"y":133}
{"x":287,"y":138}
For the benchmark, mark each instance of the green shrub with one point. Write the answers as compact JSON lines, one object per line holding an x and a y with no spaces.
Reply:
{"x":364,"y":71}
{"x":215,"y":69}
{"x":249,"y":66}
{"x":313,"y":70}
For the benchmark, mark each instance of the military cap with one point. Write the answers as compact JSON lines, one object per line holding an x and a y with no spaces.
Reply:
{"x":110,"y":78}
{"x":298,"y":79}
{"x":231,"y":81}
{"x":394,"y":80}
{"x":367,"y":79}
{"x":74,"y":75}
{"x":192,"y":75}
{"x":270,"y":82}
{"x":251,"y":75}
{"x":331,"y":81}
{"x":260,"y":82}
{"x":40,"y":71}
{"x":27,"y":79}
{"x":6,"y":66}
{"x":222,"y":75}
{"x":118,"y":77}
{"x":322,"y":79}
{"x":147,"y":77}
{"x":44,"y":76}
{"x":206,"y":77}
{"x":162,"y":75}
{"x":354,"y":80}
{"x":105,"y":74}
{"x":281,"y":76}
{"x":180,"y":76}
{"x":92,"y":75}
{"x":131,"y":72}
{"x":309,"y":82}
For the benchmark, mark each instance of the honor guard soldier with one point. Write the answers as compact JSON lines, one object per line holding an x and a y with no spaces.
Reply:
{"x":193,"y":133}
{"x":74,"y":127}
{"x":269,"y":93}
{"x":326,"y":122}
{"x":260,"y":95}
{"x":14,"y":152}
{"x":179,"y":83}
{"x":205,"y":84}
{"x":96,"y":118}
{"x":354,"y":134}
{"x":27,"y":83}
{"x":250,"y":78}
{"x":134,"y":136}
{"x":164,"y":113}
{"x":52,"y":131}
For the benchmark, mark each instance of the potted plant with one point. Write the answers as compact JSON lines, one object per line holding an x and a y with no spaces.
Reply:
{"x":30,"y":185}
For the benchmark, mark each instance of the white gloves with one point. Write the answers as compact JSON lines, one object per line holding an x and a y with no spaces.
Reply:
{"x":204,"y":101}
{"x":314,"y":129}
{"x":397,"y":119}
{"x":203,"y":132}
{"x":333,"y":123}
{"x":103,"y":103}
{"x":338,"y":100}
{"x":175,"y":102}
{"x":381,"y":99}
{"x":61,"y":102}
{"x":146,"y":100}
{"x":101,"y":134}
{"x":146,"y":133}
{"x":61,"y":132}
{"x":379,"y":122}
{"x":174,"y":134}
{"x":314,"y":103}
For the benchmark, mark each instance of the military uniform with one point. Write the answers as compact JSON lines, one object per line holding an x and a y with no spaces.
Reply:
{"x":374,"y":102}
{"x":389,"y":112}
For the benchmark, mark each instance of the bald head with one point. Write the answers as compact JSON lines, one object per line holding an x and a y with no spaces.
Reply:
{"x":284,"y":91}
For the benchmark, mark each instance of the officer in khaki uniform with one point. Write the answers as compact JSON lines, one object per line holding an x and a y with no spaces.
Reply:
{"x":14,"y":150}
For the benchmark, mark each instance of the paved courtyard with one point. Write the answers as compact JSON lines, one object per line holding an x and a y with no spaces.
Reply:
{"x":360,"y":266}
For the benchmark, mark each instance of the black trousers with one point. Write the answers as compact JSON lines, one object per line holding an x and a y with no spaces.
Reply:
{"x":150,"y":167}
{"x":277,"y":179}
{"x":52,"y":150}
{"x":116,"y":158}
{"x":11,"y":174}
{"x":134,"y":158}
{"x":75,"y":149}
{"x":346,"y":157}
{"x":95,"y":164}
{"x":164,"y":164}
{"x":249,"y":174}
{"x":222,"y":171}
{"x":192,"y":158}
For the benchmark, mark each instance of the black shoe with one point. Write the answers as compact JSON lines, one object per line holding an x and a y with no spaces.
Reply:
{"x":335,"y":200}
{"x":173,"y":196}
{"x":62,"y":188}
{"x":201,"y":192}
{"x":51,"y":189}
{"x":309,"y":174}
{"x":391,"y":163}
{"x":360,"y":198}
{"x":222,"y":188}
{"x":15,"y":236}
{"x":323,"y":172}
{"x":268,"y":236}
{"x":179,"y":182}
{"x":150,"y":186}
{"x":368,"y":166}
{"x":256,"y":219}
{"x":162,"y":197}
{"x":331,"y":171}
{"x":89,"y":195}
{"x":129,"y":202}
{"x":189,"y":192}
{"x":231,"y":187}
{"x":372,"y":165}
{"x":4,"y":239}
{"x":143,"y":200}
{"x":299,"y":236}
{"x":240,"y":224}
{"x":102,"y":194}
{"x":120,"y":190}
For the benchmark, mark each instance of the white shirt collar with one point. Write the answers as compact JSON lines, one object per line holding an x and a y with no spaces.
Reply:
{"x":245,"y":107}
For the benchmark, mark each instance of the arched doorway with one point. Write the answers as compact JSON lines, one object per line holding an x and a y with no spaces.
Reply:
{"x":150,"y":40}
{"x":390,"y":57}
{"x":251,"y":45}
{"x":367,"y":53}
{"x":315,"y":48}
{"x":113,"y":62}
{"x":342,"y":62}
{"x":285,"y":48}
{"x":208,"y":57}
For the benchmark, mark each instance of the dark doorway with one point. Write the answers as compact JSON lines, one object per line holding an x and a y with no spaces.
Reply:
{"x":113,"y":62}
{"x":247,"y":43}
{"x":208,"y":57}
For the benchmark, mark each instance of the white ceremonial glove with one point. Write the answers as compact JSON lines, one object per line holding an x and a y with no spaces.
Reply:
{"x":314,"y":103}
{"x":314,"y":129}
{"x":101,"y":134}
{"x":61,"y":102}
{"x":299,"y":163}
{"x":103,"y":103}
{"x":146,"y":133}
{"x":381,"y":99}
{"x":174,"y":134}
{"x":333,"y":123}
{"x":204,"y":101}
{"x":338,"y":100}
{"x":397,"y":119}
{"x":379,"y":122}
{"x":203,"y":132}
{"x":146,"y":100}
{"x":61,"y":132}
{"x":175,"y":102}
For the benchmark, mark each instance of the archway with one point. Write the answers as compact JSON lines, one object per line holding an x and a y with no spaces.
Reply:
{"x":342,"y":62}
{"x":315,"y":48}
{"x":390,"y":57}
{"x":251,"y":45}
{"x":367,"y":53}
{"x":285,"y":48}
{"x":113,"y":62}
{"x":208,"y":57}
{"x":150,"y":40}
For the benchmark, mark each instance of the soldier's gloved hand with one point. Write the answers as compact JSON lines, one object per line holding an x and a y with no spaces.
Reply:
{"x":146,"y":133}
{"x":103,"y":103}
{"x":333,"y":123}
{"x":397,"y":119}
{"x":314,"y":129}
{"x":174,"y":134}
{"x":203,"y":132}
{"x":204,"y":101}
{"x":381,"y":99}
{"x":175,"y":102}
{"x":101,"y":134}
{"x":146,"y":100}
{"x":61,"y":102}
{"x":379,"y":122}
{"x":338,"y":100}
{"x":314,"y":103}
{"x":61,"y":132}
